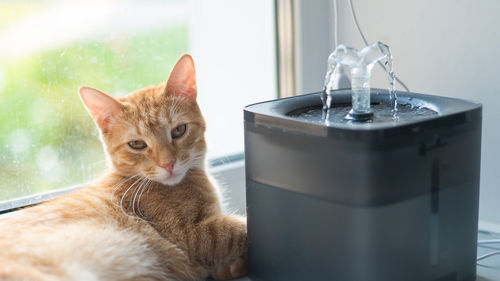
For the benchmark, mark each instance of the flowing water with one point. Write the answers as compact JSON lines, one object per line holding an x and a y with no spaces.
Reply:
{"x":392,"y":85}
{"x":350,"y":68}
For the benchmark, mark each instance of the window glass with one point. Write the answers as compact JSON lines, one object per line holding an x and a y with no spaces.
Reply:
{"x":49,"y":48}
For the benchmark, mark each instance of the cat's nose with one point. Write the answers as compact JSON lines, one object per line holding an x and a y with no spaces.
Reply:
{"x":169,"y":166}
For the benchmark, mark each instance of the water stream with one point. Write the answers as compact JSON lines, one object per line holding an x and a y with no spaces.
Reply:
{"x":392,"y":85}
{"x":350,"y":68}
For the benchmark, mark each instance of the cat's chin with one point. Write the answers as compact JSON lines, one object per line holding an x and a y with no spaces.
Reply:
{"x":170,"y":180}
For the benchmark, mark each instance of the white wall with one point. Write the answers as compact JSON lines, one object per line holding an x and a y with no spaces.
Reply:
{"x":448,"y":48}
{"x":233,"y":44}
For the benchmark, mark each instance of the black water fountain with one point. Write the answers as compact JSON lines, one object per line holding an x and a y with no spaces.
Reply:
{"x":391,"y":195}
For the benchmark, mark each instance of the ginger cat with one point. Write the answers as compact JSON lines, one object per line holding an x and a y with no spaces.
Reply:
{"x":155,"y":215}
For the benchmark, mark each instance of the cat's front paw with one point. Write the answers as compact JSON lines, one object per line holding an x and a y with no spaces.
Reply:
{"x":232,"y":270}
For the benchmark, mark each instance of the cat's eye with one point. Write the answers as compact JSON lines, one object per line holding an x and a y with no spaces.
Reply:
{"x":179,"y":131}
{"x":137,"y":144}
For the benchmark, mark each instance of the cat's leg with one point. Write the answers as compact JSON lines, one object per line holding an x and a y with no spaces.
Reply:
{"x":231,"y":270}
{"x":220,"y":245}
{"x":174,"y":261}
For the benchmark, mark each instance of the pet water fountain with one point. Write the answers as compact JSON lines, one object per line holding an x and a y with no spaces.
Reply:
{"x":358,"y":184}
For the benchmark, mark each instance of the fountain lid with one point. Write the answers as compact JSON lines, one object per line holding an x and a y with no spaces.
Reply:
{"x":282,"y":114}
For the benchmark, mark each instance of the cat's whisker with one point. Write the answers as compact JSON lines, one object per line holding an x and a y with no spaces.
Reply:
{"x":132,"y":200}
{"x":150,"y":182}
{"x":134,"y":194}
{"x":120,"y":184}
{"x":141,"y":216}
{"x":140,"y":195}
{"x":197,"y":155}
{"x":116,"y":186}
{"x":139,"y":199}
{"x":143,"y":180}
{"x":200,"y":159}
{"x":197,"y":158}
{"x":194,"y":161}
{"x":124,"y":194}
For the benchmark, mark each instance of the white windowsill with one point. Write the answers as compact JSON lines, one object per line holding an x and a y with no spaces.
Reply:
{"x":490,"y":227}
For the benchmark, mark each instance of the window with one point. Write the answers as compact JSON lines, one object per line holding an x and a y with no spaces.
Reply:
{"x":49,"y":48}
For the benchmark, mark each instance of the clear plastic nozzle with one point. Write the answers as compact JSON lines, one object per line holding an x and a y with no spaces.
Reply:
{"x":347,"y":63}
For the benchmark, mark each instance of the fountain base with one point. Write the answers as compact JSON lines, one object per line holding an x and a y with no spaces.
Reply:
{"x":356,"y":201}
{"x":359,"y":117}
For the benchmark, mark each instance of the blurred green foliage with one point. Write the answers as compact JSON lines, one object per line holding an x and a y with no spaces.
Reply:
{"x":47,"y":140}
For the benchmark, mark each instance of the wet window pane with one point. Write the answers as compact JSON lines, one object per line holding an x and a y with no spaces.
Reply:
{"x":49,"y":48}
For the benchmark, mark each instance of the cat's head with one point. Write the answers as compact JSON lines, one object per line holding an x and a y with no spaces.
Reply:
{"x":156,"y":132}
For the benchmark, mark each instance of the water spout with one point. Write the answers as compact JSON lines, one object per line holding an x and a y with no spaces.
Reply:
{"x":349,"y":64}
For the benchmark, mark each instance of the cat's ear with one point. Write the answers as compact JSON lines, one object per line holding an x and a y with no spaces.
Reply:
{"x":182,"y":79}
{"x":101,"y":106}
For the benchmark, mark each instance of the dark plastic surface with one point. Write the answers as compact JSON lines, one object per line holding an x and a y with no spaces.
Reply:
{"x":324,"y":202}
{"x":487,"y":270}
